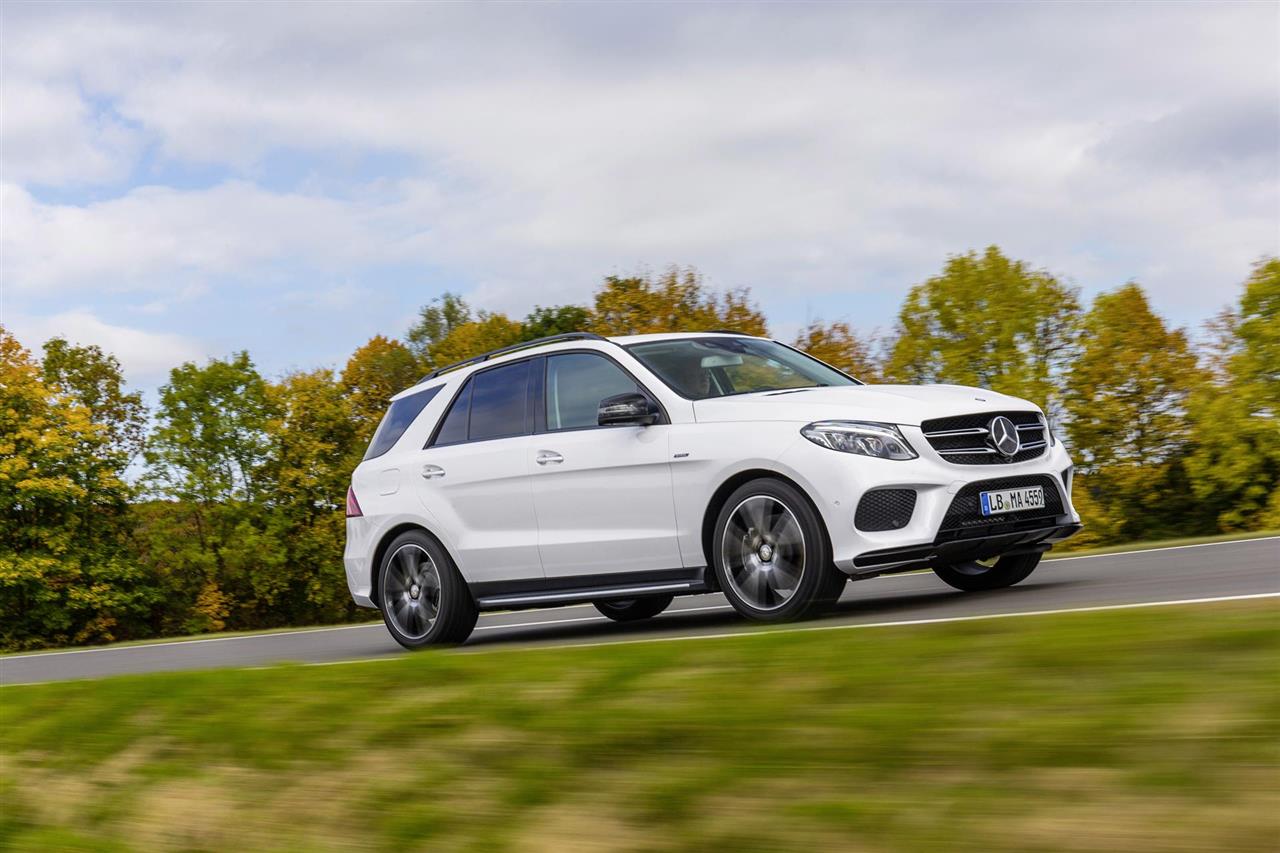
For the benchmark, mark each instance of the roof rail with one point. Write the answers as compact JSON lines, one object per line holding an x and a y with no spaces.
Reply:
{"x":722,"y":332}
{"x":536,"y":342}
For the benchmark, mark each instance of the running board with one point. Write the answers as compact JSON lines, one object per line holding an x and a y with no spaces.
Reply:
{"x":582,"y":594}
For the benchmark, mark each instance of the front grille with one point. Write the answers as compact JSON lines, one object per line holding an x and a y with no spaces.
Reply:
{"x":965,"y":439}
{"x":885,"y":509}
{"x":964,"y":512}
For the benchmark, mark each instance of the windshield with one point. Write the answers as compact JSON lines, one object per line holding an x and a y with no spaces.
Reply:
{"x":699,"y":368}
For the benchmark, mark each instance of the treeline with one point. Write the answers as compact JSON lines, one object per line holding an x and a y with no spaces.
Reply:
{"x":222,"y":508}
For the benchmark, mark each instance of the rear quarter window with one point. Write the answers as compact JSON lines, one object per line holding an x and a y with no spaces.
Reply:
{"x":402,"y":413}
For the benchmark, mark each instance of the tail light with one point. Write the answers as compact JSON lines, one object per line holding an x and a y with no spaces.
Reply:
{"x":353,"y":505}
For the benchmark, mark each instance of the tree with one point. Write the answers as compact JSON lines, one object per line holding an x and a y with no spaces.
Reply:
{"x":486,"y":332}
{"x":1235,"y":466}
{"x":210,"y":439}
{"x":543,"y":322}
{"x":838,"y":345}
{"x":374,"y":374}
{"x":209,"y":451}
{"x":64,"y":577}
{"x":435,"y":321}
{"x":990,"y":322}
{"x":295,"y":566}
{"x":1126,"y":403}
{"x":677,"y":301}
{"x":94,"y":379}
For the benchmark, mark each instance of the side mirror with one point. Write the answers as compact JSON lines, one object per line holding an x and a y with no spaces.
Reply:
{"x":632,"y":409}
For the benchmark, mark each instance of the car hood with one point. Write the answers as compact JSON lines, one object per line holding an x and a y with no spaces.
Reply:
{"x":896,"y":404}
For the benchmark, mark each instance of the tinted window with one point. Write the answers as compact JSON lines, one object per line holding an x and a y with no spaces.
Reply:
{"x":397,"y":420}
{"x":576,"y":383}
{"x":454,"y":428}
{"x":500,"y":402}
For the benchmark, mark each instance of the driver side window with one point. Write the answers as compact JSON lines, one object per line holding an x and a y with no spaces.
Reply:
{"x":576,"y":383}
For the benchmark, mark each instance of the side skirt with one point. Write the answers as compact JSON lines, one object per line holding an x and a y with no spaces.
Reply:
{"x":553,"y":592}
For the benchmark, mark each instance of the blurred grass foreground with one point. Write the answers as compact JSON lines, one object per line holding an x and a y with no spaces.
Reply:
{"x":1147,"y":729}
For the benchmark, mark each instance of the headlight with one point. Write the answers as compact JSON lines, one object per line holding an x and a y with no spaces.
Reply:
{"x":883,"y":441}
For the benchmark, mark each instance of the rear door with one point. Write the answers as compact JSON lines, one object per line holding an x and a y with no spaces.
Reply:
{"x":602,"y":494}
{"x":474,"y":476}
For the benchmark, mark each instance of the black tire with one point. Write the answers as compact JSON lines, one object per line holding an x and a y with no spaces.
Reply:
{"x":789,"y":583}
{"x":634,"y":609}
{"x":439,"y":588}
{"x":975,"y":577}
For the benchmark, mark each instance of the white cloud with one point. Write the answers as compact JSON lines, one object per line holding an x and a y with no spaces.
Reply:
{"x":825,"y":150}
{"x":159,"y":238}
{"x":146,"y":357}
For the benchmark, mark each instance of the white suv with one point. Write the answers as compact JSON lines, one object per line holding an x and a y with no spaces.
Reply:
{"x":625,"y":471}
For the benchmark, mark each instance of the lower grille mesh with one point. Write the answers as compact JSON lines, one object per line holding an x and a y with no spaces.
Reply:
{"x":885,"y":509}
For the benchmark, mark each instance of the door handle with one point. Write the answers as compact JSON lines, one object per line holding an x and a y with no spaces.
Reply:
{"x":548,"y":457}
{"x":432,"y":472}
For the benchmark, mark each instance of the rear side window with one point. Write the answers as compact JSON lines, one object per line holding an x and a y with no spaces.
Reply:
{"x":576,"y":383}
{"x":492,"y":404}
{"x":397,"y":420}
{"x":500,"y":402}
{"x":454,"y":428}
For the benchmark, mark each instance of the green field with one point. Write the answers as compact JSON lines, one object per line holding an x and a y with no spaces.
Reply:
{"x":1149,"y":729}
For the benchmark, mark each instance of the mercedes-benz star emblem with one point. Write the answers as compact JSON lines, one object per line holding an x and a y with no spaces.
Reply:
{"x":1004,"y":436}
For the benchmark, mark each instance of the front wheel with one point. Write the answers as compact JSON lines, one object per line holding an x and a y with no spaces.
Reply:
{"x":771,"y":554}
{"x":423,"y":599}
{"x":974,"y":576}
{"x":634,"y":609}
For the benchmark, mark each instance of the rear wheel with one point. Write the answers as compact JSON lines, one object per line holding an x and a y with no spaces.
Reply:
{"x":976,"y":576}
{"x":634,"y":609}
{"x":771,"y":554}
{"x":423,"y":599}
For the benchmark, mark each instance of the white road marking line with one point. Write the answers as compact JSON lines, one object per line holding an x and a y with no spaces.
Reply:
{"x":843,"y":627}
{"x":52,"y":654}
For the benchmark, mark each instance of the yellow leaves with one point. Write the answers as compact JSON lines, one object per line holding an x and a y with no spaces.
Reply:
{"x":676,"y":301}
{"x":839,"y":346}
{"x":487,"y":332}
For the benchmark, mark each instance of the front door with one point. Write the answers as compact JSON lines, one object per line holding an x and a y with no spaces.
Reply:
{"x":602,"y":494}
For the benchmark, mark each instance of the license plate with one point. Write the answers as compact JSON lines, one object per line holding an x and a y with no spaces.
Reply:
{"x":1011,"y":500}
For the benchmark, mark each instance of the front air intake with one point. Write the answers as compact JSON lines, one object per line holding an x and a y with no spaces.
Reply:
{"x":885,"y":509}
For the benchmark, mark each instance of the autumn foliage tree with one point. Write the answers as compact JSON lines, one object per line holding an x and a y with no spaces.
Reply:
{"x":990,"y":322}
{"x":676,"y":301}
{"x":65,"y":572}
{"x":840,"y":346}
{"x":1126,"y":405}
{"x":1235,"y":463}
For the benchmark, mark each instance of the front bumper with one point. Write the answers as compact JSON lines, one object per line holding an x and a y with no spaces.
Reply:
{"x":1029,"y":536}
{"x":942,"y":526}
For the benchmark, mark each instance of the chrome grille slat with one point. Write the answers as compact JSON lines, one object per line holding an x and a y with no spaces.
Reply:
{"x":954,"y":432}
{"x":953,"y":438}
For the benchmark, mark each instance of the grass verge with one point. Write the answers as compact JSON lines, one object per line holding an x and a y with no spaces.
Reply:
{"x":1137,"y":730}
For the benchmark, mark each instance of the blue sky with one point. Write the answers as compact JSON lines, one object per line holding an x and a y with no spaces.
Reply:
{"x":180,"y":182}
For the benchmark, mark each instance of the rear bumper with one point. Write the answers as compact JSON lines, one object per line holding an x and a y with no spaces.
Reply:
{"x":1016,"y":537}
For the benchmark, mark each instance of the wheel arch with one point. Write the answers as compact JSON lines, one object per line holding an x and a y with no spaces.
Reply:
{"x":722,"y":492}
{"x":385,"y":542}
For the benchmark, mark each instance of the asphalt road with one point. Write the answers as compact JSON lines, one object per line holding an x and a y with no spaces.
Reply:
{"x":1223,"y":570}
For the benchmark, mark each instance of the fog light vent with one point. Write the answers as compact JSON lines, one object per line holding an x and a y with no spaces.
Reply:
{"x":885,"y":509}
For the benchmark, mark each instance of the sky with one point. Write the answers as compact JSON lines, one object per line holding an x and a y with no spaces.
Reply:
{"x":181,"y":182}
